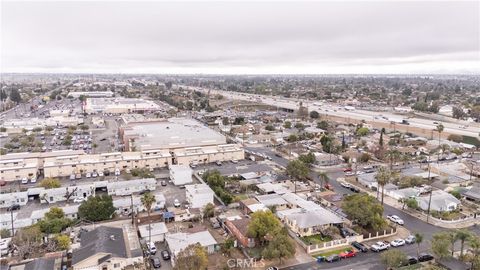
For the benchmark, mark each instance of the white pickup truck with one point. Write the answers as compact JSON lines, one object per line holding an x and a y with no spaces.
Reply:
{"x":380,"y":246}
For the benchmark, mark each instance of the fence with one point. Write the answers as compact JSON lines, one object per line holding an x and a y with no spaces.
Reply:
{"x":345,"y":242}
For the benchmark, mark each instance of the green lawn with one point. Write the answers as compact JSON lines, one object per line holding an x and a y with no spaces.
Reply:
{"x":411,"y":267}
{"x":331,"y":252}
{"x":315,"y":239}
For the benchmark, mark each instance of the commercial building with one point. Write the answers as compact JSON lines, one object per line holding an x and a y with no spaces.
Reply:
{"x":18,"y":125}
{"x":93,"y":94}
{"x":199,"y":195}
{"x":119,"y":105}
{"x":189,"y":141}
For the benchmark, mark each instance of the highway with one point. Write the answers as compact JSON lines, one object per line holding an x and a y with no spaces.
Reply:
{"x":331,"y":109}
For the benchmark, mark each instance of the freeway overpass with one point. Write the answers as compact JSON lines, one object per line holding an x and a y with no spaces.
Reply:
{"x":335,"y":110}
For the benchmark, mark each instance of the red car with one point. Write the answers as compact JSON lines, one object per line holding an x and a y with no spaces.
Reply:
{"x":347,"y":169}
{"x":347,"y":254}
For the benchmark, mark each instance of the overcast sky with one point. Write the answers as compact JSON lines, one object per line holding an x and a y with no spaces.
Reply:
{"x":241,"y":37}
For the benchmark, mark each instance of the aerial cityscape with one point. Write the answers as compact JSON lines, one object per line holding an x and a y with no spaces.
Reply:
{"x":272,"y":135}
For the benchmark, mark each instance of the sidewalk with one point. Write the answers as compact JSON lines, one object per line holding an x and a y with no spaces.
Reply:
{"x":456,"y":224}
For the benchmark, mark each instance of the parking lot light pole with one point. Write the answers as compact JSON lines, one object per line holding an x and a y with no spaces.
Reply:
{"x":431,"y":191}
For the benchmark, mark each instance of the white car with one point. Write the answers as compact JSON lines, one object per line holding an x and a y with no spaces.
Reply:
{"x":78,"y":200}
{"x":24,"y":180}
{"x":397,"y":242}
{"x":100,"y":174}
{"x":345,"y":185}
{"x":152,"y":249}
{"x":94,"y":174}
{"x":176,"y":203}
{"x":396,"y":219}
{"x":88,"y":175}
{"x":33,"y":179}
{"x":380,"y":246}
{"x":117,"y":172}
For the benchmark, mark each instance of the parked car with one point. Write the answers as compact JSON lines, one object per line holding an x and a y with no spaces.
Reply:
{"x":165,"y":255}
{"x":164,"y":183}
{"x":345,"y":184}
{"x":117,"y":172}
{"x":410,"y":239}
{"x":344,"y":232}
{"x":152,"y":249}
{"x":333,"y":258}
{"x":380,"y":246}
{"x":94,"y":174}
{"x":425,"y":257}
{"x":88,"y":175}
{"x":33,"y":179}
{"x":100,"y":174}
{"x":347,"y":254}
{"x":13,"y":207}
{"x":78,"y":176}
{"x":72,"y":176}
{"x":155,"y":262}
{"x":176,"y":203}
{"x":78,"y":200}
{"x":411,"y":260}
{"x":272,"y":268}
{"x":24,"y":180}
{"x":397,"y":242}
{"x":219,"y":163}
{"x":360,"y":246}
{"x":3,"y":183}
{"x":395,"y":219}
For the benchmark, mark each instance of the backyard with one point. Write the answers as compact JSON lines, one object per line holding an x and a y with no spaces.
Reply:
{"x":315,"y":239}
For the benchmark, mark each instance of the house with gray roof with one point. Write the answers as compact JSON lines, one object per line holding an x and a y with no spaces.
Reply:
{"x":105,"y":248}
{"x":53,"y":263}
{"x":441,"y":201}
{"x":310,"y":222}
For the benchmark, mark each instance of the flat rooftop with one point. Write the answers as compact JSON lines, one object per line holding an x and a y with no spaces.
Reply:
{"x":172,"y":133}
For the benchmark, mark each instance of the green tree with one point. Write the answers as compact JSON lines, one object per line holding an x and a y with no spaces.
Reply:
{"x":463,"y":235}
{"x":48,"y":183}
{"x":225,"y":121}
{"x":263,"y":223}
{"x":280,"y":247}
{"x":314,"y":114}
{"x":63,"y":241}
{"x":440,"y":244}
{"x":15,"y":96}
{"x":228,"y":245}
{"x":394,"y":258}
{"x":298,"y":171}
{"x":393,"y":155}
{"x":148,"y":199}
{"x":364,"y":210}
{"x":54,"y":221}
{"x":363,"y":131}
{"x":5,"y":233}
{"x":418,"y":241}
{"x":269,"y":128}
{"x":322,"y":125}
{"x":209,"y":210}
{"x":193,"y":257}
{"x":299,"y":126}
{"x":474,"y":243}
{"x":97,"y":208}
{"x":308,"y":159}
{"x":292,"y":138}
{"x":412,"y":203}
{"x":383,"y":177}
{"x":287,"y":124}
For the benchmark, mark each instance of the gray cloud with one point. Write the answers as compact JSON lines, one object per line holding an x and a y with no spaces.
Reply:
{"x":241,"y":37}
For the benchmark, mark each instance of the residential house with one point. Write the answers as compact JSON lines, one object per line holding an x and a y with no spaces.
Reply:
{"x":309,"y":222}
{"x":9,"y":199}
{"x":176,"y":242}
{"x":272,"y":200}
{"x":180,"y":174}
{"x":199,"y":195}
{"x":122,"y":188}
{"x":441,"y":201}
{"x":105,"y":248}
{"x":239,"y":229}
{"x":157,"y":229}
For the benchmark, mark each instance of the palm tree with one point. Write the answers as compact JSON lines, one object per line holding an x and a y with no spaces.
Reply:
{"x":452,"y":237}
{"x":463,"y":235}
{"x":393,"y":155}
{"x":474,"y":243}
{"x":148,"y":199}
{"x":439,"y":130}
{"x":382,"y":177}
{"x":323,"y":179}
{"x":418,"y":240}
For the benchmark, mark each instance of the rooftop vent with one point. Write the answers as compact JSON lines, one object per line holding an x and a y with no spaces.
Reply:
{"x":112,"y":237}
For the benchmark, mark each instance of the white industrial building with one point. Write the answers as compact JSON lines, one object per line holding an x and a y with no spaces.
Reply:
{"x":122,"y":188}
{"x":93,"y":94}
{"x":119,"y":105}
{"x":180,"y":174}
{"x":199,"y":195}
